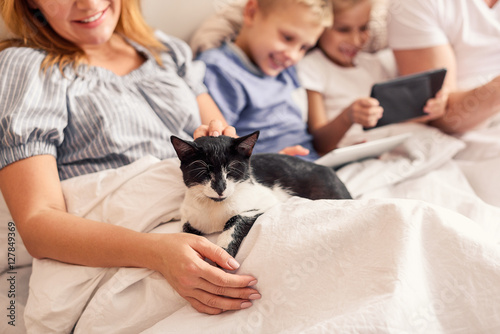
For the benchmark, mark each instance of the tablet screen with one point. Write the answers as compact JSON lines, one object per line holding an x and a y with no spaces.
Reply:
{"x":404,"y":98}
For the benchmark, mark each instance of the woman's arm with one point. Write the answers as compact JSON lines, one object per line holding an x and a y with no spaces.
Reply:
{"x":33,"y":193}
{"x":465,"y":109}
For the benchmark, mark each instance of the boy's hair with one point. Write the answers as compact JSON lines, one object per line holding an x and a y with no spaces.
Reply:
{"x":30,"y":29}
{"x":322,"y":8}
{"x":340,"y":5}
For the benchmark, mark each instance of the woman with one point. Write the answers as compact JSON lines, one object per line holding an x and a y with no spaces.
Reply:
{"x":85,"y":86}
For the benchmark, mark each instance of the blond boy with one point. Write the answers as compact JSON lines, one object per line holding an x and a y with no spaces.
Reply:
{"x":253,"y":80}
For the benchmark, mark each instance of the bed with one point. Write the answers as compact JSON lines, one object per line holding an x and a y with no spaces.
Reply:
{"x":416,"y":251}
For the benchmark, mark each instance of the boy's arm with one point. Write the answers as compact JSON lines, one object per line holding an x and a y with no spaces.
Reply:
{"x":226,"y":93}
{"x":209,"y":110}
{"x":212,"y":120}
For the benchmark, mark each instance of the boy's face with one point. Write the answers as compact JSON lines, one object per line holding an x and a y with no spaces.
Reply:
{"x":342,"y":42}
{"x":278,"y":38}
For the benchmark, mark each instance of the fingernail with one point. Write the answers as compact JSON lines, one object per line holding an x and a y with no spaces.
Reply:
{"x":252,"y":283}
{"x":254,"y":296}
{"x":233,"y":264}
{"x":245,"y":305}
{"x":215,"y":134}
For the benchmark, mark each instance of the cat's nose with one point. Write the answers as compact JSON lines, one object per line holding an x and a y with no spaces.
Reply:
{"x":219,"y":185}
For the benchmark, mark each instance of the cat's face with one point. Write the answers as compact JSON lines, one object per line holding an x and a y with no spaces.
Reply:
{"x":215,"y":165}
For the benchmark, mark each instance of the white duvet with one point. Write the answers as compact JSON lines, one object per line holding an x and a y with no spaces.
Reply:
{"x":417,"y":251}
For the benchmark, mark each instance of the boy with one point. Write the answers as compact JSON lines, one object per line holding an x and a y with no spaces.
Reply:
{"x":253,"y":80}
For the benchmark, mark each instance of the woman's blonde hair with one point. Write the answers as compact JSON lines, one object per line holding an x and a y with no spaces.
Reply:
{"x":322,"y":8}
{"x":30,"y":29}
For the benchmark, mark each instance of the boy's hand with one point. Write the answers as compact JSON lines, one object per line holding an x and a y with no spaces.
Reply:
{"x":365,"y":111}
{"x":295,"y":150}
{"x":215,"y":129}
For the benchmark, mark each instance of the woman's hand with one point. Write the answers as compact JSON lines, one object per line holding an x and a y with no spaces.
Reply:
{"x":207,"y":288}
{"x":365,"y":111}
{"x":214,"y":129}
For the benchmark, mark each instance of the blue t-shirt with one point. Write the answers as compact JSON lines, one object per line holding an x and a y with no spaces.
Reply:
{"x":251,"y":100}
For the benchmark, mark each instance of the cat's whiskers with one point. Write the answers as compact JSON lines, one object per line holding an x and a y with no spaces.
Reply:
{"x":233,"y":168}
{"x":202,"y":169}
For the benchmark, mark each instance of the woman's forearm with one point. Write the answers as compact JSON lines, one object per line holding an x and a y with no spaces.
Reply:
{"x":64,"y":237}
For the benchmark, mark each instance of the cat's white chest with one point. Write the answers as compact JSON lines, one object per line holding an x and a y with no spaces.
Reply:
{"x":209,"y":216}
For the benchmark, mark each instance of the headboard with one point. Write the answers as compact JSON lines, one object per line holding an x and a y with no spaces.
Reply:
{"x":178,"y":18}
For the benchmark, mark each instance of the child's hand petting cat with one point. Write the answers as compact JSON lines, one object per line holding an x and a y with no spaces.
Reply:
{"x":207,"y":288}
{"x":365,"y":111}
{"x":215,"y":128}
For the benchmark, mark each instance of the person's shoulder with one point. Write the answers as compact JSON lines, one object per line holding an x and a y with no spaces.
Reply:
{"x":22,"y":62}
{"x":175,"y":46}
{"x":22,"y":56}
{"x":224,"y":61}
{"x":217,"y":55}
{"x":367,"y":59}
{"x":169,"y":39}
{"x":314,"y":58}
{"x":315,"y":54}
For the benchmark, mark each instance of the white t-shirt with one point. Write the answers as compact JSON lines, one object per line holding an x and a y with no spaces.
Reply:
{"x":469,"y":26}
{"x":341,"y":86}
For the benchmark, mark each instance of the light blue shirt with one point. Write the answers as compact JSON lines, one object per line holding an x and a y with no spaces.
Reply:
{"x":251,"y":100}
{"x":93,"y":119}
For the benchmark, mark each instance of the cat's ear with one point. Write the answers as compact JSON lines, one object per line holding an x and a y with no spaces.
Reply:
{"x":245,"y":144}
{"x":183,"y":148}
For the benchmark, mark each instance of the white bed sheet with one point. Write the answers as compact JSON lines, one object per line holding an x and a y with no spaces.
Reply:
{"x":416,"y":252}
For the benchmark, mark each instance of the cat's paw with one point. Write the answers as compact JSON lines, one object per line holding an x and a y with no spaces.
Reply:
{"x":187,"y":228}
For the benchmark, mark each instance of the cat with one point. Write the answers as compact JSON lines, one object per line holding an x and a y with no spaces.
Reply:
{"x":228,"y":188}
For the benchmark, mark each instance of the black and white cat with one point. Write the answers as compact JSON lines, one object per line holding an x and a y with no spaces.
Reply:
{"x":228,"y":188}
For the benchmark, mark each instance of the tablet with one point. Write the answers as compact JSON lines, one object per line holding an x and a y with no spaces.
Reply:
{"x":370,"y":149}
{"x":404,"y":98}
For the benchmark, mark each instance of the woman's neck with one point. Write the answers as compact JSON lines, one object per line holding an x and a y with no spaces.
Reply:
{"x":117,"y":55}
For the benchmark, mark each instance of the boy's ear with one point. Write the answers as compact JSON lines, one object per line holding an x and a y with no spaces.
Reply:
{"x":244,"y":145}
{"x":183,"y":148}
{"x":249,"y":12}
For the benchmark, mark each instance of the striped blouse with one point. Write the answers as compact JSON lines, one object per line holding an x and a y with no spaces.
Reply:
{"x":92,"y":119}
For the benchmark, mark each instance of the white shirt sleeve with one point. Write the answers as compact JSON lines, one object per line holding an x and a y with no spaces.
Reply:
{"x":311,"y":72}
{"x":415,"y":24}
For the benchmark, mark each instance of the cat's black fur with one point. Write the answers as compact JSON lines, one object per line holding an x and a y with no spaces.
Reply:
{"x":229,"y":188}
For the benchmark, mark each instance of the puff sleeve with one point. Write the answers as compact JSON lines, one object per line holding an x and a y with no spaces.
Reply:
{"x":33,"y":112}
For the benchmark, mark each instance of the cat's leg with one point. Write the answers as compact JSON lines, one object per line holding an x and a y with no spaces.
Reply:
{"x":187,"y":228}
{"x":235,"y":230}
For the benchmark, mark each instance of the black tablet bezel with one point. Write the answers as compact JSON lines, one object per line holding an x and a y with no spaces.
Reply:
{"x":404,"y":98}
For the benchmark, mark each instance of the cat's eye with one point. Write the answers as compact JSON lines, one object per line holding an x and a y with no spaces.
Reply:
{"x":199,"y":170}
{"x":236,"y":169}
